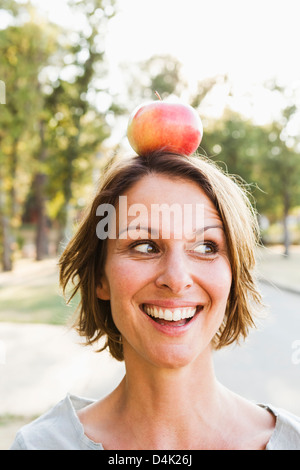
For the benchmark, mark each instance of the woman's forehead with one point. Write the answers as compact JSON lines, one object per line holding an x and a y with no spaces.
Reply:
{"x":165,"y":205}
{"x":158,"y":188}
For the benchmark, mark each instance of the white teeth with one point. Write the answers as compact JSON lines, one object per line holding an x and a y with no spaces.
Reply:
{"x":177,"y":315}
{"x":169,"y":314}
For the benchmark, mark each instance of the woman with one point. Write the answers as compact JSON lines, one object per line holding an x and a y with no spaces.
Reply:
{"x":165,"y":290}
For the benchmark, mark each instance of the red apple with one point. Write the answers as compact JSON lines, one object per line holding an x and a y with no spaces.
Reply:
{"x":158,"y":125}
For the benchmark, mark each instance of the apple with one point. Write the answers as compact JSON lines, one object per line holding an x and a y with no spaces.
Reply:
{"x":160,"y":125}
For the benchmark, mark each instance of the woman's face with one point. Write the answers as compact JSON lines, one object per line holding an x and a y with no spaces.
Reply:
{"x":167,"y":283}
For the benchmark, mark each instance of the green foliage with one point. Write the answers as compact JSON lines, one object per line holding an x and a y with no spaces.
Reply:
{"x":262,"y":157}
{"x":164,"y":76}
{"x":75,"y":129}
{"x":10,"y":6}
{"x":25,"y":50}
{"x":280,"y":172}
{"x":50,"y":129}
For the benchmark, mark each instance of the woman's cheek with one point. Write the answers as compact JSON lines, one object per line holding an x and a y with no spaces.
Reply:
{"x":128,"y":274}
{"x":218,"y":277}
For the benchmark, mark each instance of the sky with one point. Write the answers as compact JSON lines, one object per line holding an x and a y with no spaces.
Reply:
{"x":250,"y":41}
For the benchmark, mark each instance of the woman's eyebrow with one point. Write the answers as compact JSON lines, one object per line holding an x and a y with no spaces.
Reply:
{"x":155,"y":233}
{"x":151,"y":231}
{"x":207,"y":227}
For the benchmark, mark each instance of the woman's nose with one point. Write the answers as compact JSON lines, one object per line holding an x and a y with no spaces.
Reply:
{"x":175,"y":274}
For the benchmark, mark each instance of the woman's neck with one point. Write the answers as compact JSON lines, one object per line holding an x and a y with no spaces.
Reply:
{"x":169,"y":404}
{"x":180,"y":408}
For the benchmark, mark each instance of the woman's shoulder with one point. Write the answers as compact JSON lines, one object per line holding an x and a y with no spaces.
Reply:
{"x":57,"y":429}
{"x":286,"y":435}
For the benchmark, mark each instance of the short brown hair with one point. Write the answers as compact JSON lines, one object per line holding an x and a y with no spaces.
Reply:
{"x":83,"y":260}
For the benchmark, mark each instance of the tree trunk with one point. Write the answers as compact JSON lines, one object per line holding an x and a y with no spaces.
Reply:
{"x":65,"y":215}
{"x":6,"y":255}
{"x":42,"y":241}
{"x":6,"y":249}
{"x":41,"y":229}
{"x":286,"y":235}
{"x":13,"y":175}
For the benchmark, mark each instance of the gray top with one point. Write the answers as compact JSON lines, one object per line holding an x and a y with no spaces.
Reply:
{"x":60,"y":429}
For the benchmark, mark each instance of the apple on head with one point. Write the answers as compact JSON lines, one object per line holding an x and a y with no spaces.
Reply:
{"x":159,"y":125}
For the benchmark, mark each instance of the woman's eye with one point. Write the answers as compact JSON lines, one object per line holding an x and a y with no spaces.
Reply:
{"x":206,"y":248}
{"x":147,"y":248}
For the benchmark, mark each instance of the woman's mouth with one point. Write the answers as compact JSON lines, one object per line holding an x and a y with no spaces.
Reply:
{"x":179,"y":316}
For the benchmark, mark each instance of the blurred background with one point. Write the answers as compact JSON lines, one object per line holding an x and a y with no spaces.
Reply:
{"x":71,"y":72}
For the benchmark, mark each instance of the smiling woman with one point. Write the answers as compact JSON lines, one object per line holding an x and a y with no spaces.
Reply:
{"x":164,"y":300}
{"x":152,"y":179}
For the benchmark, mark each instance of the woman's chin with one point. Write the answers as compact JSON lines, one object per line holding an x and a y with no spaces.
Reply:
{"x":172,"y":357}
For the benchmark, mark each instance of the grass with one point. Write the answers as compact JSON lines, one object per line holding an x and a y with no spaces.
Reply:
{"x":31,"y":294}
{"x":9,"y":418}
{"x":34,"y":305}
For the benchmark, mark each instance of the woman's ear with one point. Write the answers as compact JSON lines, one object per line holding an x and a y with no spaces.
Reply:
{"x":102,"y":289}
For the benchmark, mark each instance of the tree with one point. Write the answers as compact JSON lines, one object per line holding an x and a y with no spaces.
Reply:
{"x":263,"y":157}
{"x":24,"y":51}
{"x":280,"y":171}
{"x":237,"y":145}
{"x":280,"y":168}
{"x":74,"y":126}
{"x":52,"y":122}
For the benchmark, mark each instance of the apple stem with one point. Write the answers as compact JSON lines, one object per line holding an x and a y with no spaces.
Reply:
{"x":158,"y":95}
